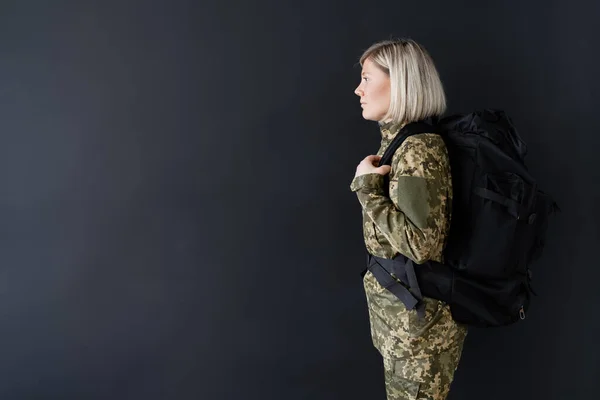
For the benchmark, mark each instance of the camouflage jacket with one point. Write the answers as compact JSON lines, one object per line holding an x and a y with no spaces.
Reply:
{"x":414,"y":221}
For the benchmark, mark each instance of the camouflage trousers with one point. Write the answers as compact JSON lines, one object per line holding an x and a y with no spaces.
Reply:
{"x":432,"y":384}
{"x":420,"y":354}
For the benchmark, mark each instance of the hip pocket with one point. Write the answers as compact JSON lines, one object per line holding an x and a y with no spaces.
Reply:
{"x":399,"y":381}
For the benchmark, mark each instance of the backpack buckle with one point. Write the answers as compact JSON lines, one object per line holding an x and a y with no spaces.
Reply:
{"x":531,"y":219}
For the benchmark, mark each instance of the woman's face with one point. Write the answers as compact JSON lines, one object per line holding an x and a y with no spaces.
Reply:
{"x":374,"y":91}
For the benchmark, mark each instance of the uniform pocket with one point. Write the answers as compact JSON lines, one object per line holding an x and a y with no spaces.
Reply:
{"x":400,"y":388}
{"x":399,"y":382}
{"x":418,"y":327}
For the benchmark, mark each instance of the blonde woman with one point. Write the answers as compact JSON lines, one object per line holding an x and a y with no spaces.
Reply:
{"x":409,"y":216}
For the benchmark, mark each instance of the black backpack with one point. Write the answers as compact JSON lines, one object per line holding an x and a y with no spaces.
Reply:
{"x":499,"y":219}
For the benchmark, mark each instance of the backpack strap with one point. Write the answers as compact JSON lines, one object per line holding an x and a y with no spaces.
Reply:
{"x":414,"y":128}
{"x":400,"y":279}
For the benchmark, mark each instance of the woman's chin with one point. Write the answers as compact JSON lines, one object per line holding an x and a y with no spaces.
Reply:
{"x":368,"y":116}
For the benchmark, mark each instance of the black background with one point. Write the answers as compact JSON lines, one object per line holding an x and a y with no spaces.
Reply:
{"x":176,"y":220}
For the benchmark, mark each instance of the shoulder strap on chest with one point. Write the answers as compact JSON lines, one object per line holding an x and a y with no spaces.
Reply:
{"x":413,"y":128}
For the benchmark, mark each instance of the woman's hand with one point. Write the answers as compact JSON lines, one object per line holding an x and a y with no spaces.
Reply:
{"x":369,"y":166}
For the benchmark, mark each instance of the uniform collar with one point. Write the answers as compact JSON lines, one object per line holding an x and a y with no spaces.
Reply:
{"x":389,"y":129}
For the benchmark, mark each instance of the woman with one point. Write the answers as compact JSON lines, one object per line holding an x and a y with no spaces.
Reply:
{"x":399,"y":85}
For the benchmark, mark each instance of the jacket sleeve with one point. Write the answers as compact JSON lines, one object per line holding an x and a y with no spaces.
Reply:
{"x":409,"y":217}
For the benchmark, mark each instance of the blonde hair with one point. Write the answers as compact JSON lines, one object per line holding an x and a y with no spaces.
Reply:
{"x":416,"y":89}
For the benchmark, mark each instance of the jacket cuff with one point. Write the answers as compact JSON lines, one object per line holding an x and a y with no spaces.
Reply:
{"x":371,"y":183}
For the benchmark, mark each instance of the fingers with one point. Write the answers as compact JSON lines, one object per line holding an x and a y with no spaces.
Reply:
{"x":372,"y":158}
{"x":383,"y":170}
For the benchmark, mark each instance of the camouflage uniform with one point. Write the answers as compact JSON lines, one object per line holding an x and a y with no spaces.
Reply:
{"x":419,"y":356}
